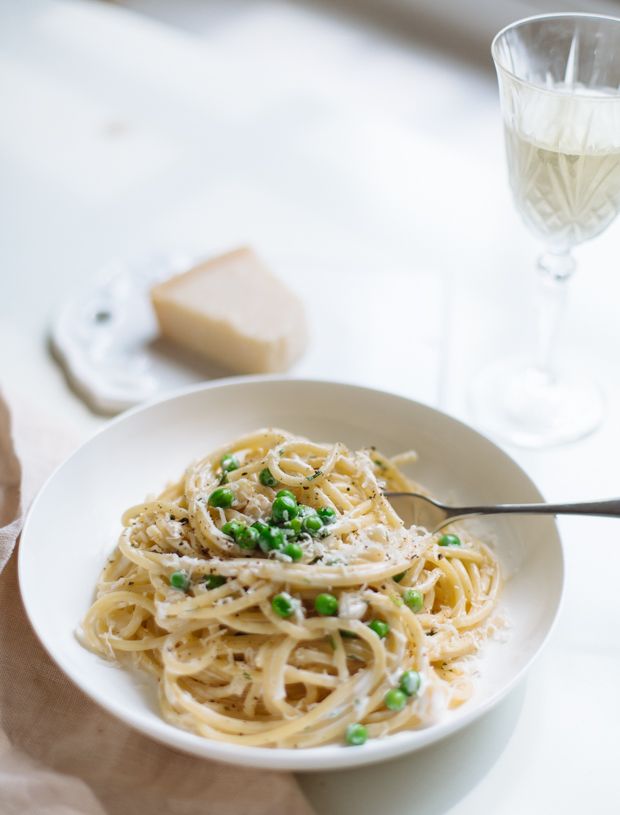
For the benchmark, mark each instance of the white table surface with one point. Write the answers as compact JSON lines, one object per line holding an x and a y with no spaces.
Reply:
{"x":365,"y":171}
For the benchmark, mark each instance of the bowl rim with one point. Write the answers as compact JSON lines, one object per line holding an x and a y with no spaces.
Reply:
{"x":325,"y":757}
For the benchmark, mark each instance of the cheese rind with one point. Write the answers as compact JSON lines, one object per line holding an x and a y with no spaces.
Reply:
{"x":235,"y":312}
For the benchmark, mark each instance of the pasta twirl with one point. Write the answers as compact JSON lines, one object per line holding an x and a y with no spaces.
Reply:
{"x":280,"y":601}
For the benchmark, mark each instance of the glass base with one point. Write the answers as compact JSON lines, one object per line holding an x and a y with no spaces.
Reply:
{"x":523,"y":405}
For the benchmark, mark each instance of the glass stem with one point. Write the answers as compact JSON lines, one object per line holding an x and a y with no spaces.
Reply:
{"x":553,"y":269}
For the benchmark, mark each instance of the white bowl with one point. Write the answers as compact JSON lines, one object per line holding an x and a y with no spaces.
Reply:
{"x":75,"y":521}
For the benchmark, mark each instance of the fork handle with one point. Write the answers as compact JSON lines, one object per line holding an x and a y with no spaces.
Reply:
{"x":609,"y":508}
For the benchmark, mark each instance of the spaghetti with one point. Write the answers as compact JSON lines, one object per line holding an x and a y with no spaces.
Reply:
{"x":280,"y":601}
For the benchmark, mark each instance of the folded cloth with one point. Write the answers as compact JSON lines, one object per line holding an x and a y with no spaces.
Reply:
{"x":61,"y":754}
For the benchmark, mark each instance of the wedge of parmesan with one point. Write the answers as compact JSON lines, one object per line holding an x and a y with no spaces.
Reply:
{"x":235,"y":312}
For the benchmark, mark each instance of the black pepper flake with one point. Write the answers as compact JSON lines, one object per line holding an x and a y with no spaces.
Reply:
{"x":439,"y":556}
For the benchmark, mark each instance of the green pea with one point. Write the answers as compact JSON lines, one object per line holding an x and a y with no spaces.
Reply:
{"x":395,"y":699}
{"x":312,"y":524}
{"x":356,"y":734}
{"x":380,"y":627}
{"x":326,"y":604}
{"x":410,"y":682}
{"x":282,"y":605}
{"x":294,"y":551}
{"x":228,"y":463}
{"x":449,"y":540}
{"x":288,"y":493}
{"x":277,"y":538}
{"x":213,"y":581}
{"x":292,"y":527}
{"x":284,"y":508}
{"x":398,"y":577}
{"x":271,"y":538}
{"x":222,"y":497}
{"x":327,"y":515}
{"x":263,"y":530}
{"x":180,"y":580}
{"x":414,"y":599}
{"x":232,"y":529}
{"x":248,"y":538}
{"x":303,"y":510}
{"x":266,"y":479}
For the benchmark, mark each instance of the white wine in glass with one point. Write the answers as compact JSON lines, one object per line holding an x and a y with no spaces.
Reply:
{"x":559,"y":76}
{"x":565,"y":193}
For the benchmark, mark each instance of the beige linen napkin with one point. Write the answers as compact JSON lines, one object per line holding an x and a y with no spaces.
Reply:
{"x":60,"y":754}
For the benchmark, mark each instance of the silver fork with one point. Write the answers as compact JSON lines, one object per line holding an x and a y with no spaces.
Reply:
{"x":421,"y":510}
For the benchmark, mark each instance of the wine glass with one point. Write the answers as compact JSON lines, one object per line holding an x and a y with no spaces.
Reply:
{"x":559,"y":79}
